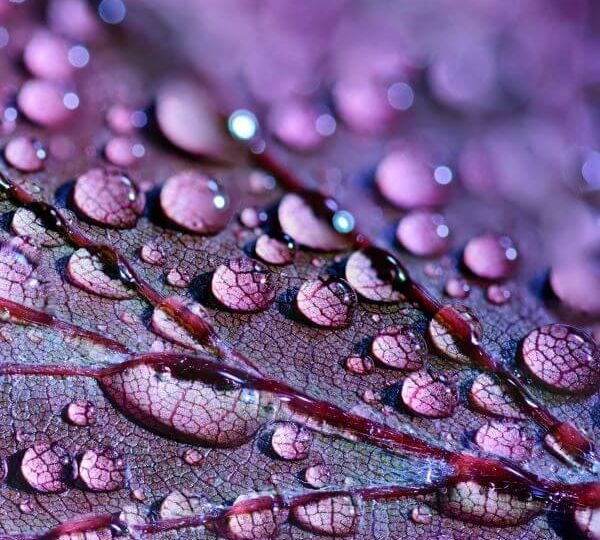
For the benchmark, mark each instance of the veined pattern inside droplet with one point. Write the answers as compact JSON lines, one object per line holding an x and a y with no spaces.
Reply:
{"x":331,"y":516}
{"x":329,"y":303}
{"x":399,"y":347}
{"x":369,"y":280}
{"x":442,"y":337}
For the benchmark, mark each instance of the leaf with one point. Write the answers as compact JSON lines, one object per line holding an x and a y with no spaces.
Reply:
{"x":132,"y":403}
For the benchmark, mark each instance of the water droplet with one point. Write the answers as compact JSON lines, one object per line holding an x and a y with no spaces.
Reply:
{"x":194,"y":411}
{"x":399,"y":347}
{"x":163,"y":325}
{"x":421,"y":514}
{"x":243,"y":284}
{"x":491,"y":256}
{"x":277,"y":250}
{"x":25,"y":507}
{"x":359,"y":365}
{"x":124,"y":120}
{"x":311,"y":224}
{"x":152,"y":253}
{"x":317,"y":476}
{"x":588,"y":522}
{"x":241,"y":524}
{"x":46,"y":56}
{"x":102,"y":469}
{"x":291,"y":441}
{"x":195,"y":202}
{"x":498,"y":294}
{"x":332,"y":516}
{"x":108,"y":197}
{"x":425,"y":395}
{"x":443,"y":339}
{"x":294,"y":123}
{"x":406,"y":180}
{"x":492,"y":397}
{"x":370,"y":397}
{"x":177,"y":277}
{"x":81,"y":413}
{"x":329,"y":303}
{"x":18,"y":274}
{"x":180,"y":505}
{"x":47,"y":468}
{"x":138,"y":494}
{"x":563,"y":358}
{"x":123,"y":151}
{"x":3,"y":469}
{"x":25,"y":154}
{"x":42,"y":102}
{"x":475,"y":503}
{"x":187,"y":117}
{"x":457,"y":288}
{"x":251,"y":218}
{"x":193,"y":457}
{"x":507,"y":440}
{"x":576,"y":282}
{"x":375,"y":275}
{"x":423,"y":233}
{"x":86,"y":271}
{"x":25,"y":223}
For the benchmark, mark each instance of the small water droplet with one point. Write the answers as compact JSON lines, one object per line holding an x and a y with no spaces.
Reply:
{"x":291,"y":441}
{"x":193,"y":457}
{"x":47,"y":468}
{"x":491,"y":256}
{"x":457,"y":288}
{"x":429,"y":396}
{"x":399,"y":347}
{"x":152,"y":253}
{"x":277,"y":250}
{"x":421,"y":514}
{"x":423,"y":233}
{"x":329,"y":303}
{"x":504,"y":439}
{"x":25,"y":154}
{"x":444,"y":340}
{"x":177,"y":277}
{"x":81,"y":413}
{"x":498,"y":294}
{"x":331,"y":516}
{"x":317,"y":476}
{"x":102,"y":469}
{"x":359,"y":365}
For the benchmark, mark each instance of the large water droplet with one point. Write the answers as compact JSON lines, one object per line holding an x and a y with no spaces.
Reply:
{"x":399,"y":347}
{"x":86,"y":271}
{"x":243,"y":284}
{"x":309,"y":224}
{"x":195,"y":202}
{"x":102,"y":469}
{"x":46,"y":56}
{"x":508,"y":440}
{"x":291,"y":441}
{"x":42,"y":102}
{"x":576,"y":282}
{"x":332,"y":516}
{"x":491,"y":256}
{"x":277,"y":250}
{"x":424,"y":233}
{"x":180,"y":505}
{"x":426,"y":395}
{"x":241,"y":524}
{"x":166,"y":327}
{"x":108,"y":197}
{"x":26,"y":223}
{"x":25,"y":154}
{"x":486,"y":505}
{"x":563,"y":358}
{"x":18,"y":277}
{"x":329,"y":303}
{"x":47,"y":468}
{"x":374,"y":274}
{"x":442,"y":337}
{"x":81,"y":413}
{"x":406,"y":180}
{"x":492,"y":397}
{"x":185,"y":408}
{"x":188,"y":119}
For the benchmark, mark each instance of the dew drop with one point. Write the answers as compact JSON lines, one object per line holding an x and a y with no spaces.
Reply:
{"x":25,"y":507}
{"x":25,"y":223}
{"x":180,"y":505}
{"x":421,"y":514}
{"x":193,"y":457}
{"x":508,"y":440}
{"x":291,"y":441}
{"x":406,"y":180}
{"x":108,"y":197}
{"x":123,"y":151}
{"x":491,"y":256}
{"x":423,"y":233}
{"x":102,"y":469}
{"x":195,"y":202}
{"x":588,"y":522}
{"x":333,"y":516}
{"x":442,"y":337}
{"x":178,"y":278}
{"x":562,"y":358}
{"x":185,"y":408}
{"x":485,"y":505}
{"x":42,"y":102}
{"x":163,"y":325}
{"x":329,"y":303}
{"x":370,"y":397}
{"x":294,"y":123}
{"x":251,"y":218}
{"x":81,"y":413}
{"x":492,"y":397}
{"x":317,"y":476}
{"x":278,"y":250}
{"x":576,"y":283}
{"x":25,"y":154}
{"x":47,"y":468}
{"x":457,"y":288}
{"x":359,"y":365}
{"x":152,"y":253}
{"x":243,"y":284}
{"x":86,"y":271}
{"x":46,"y":56}
{"x":18,"y":274}
{"x":3,"y":469}
{"x":425,"y":395}
{"x":188,"y":119}
{"x":241,"y":524}
{"x":375,"y":275}
{"x":124,"y":120}
{"x":399,"y":347}
{"x":311,"y":224}
{"x":498,"y":294}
